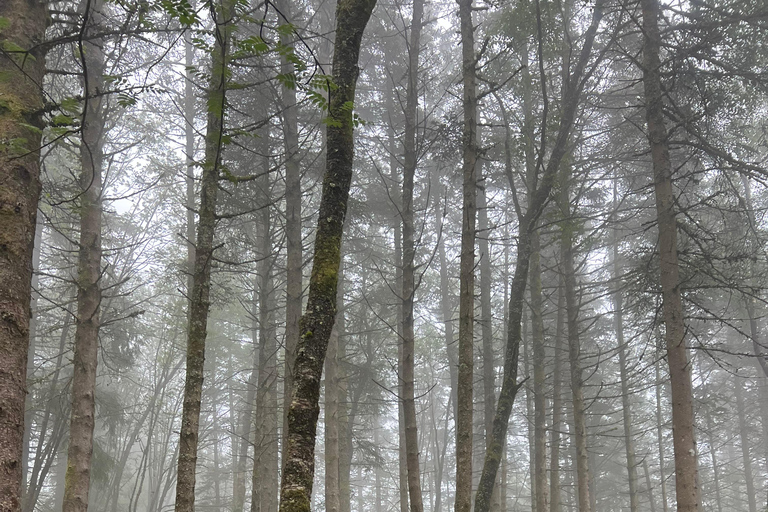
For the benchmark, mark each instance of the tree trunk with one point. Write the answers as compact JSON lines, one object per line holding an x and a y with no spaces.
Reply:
{"x":332,"y":418}
{"x":574,"y":352}
{"x":87,"y":321}
{"x":296,"y":490}
{"x":20,"y":132}
{"x":686,"y":470}
{"x":557,"y":408}
{"x":618,"y":318}
{"x":265,"y":458}
{"x":201,"y":278}
{"x":659,"y":432}
{"x":466,"y":361}
{"x":409,"y":253}
{"x":293,"y":286}
{"x":745,"y":448}
{"x":715,"y":464}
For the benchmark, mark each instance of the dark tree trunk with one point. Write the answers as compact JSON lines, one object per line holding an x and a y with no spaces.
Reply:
{"x":199,"y":300}
{"x":20,"y":120}
{"x":464,"y":392}
{"x":87,"y":323}
{"x":686,"y":460}
{"x":316,"y":324}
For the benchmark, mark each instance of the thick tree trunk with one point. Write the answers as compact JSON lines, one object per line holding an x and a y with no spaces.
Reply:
{"x":408,"y":274}
{"x":539,"y":376}
{"x":21,"y":124}
{"x":87,"y":321}
{"x":686,"y":464}
{"x":201,"y":278}
{"x":316,"y":324}
{"x":466,"y":362}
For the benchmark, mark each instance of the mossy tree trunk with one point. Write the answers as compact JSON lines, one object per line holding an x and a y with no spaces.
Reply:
{"x":537,"y":199}
{"x":686,"y":460}
{"x":296,"y":489}
{"x":21,"y":101}
{"x":199,"y":299}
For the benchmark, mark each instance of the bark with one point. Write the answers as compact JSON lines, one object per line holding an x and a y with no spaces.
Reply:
{"x":686,"y":470}
{"x":464,"y":392}
{"x":199,"y":300}
{"x":293,"y":286}
{"x":21,"y":101}
{"x":87,"y":322}
{"x":408,"y":273}
{"x":316,"y":324}
{"x":745,"y":448}
{"x":28,"y":409}
{"x":527,"y":223}
{"x":618,"y":318}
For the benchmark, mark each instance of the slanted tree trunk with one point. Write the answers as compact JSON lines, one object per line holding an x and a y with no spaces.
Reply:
{"x":527,"y":222}
{"x":408,"y":273}
{"x":21,"y":125}
{"x":316,"y":324}
{"x":87,"y":323}
{"x":686,"y":460}
{"x":464,"y":393}
{"x":201,"y":279}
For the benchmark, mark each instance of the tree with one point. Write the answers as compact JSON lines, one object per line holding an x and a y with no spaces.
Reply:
{"x":296,"y":487}
{"x":89,"y":272}
{"x":22,"y":59}
{"x":686,"y":460}
{"x":199,"y":304}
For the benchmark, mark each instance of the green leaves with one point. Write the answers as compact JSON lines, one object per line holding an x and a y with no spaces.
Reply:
{"x":180,"y":10}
